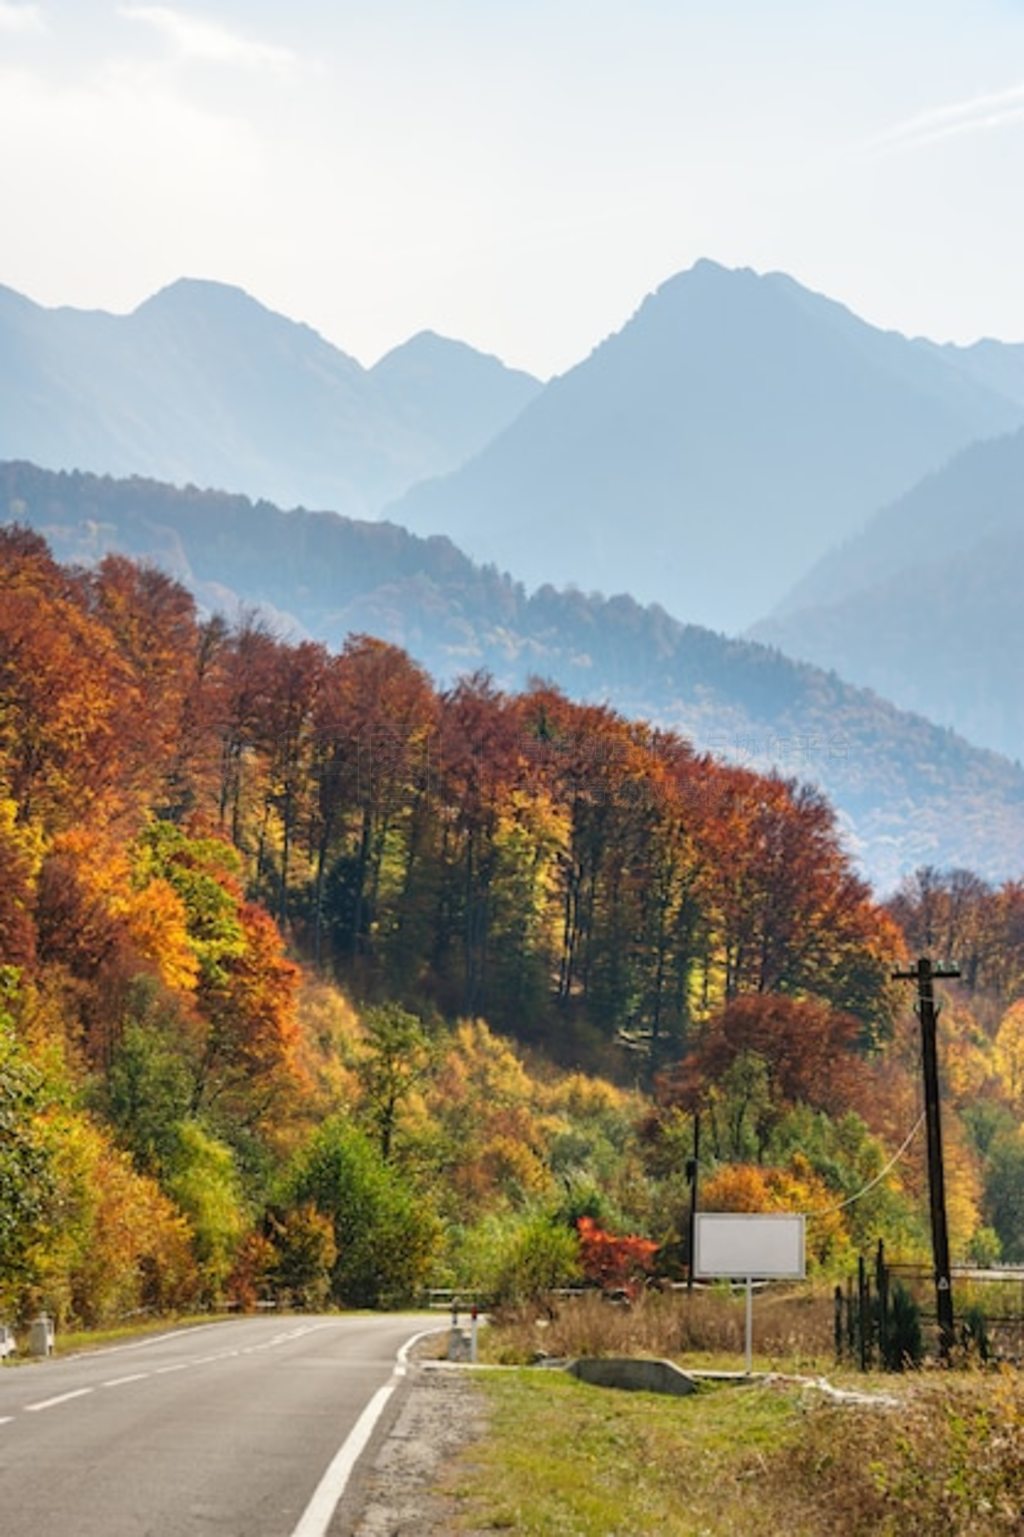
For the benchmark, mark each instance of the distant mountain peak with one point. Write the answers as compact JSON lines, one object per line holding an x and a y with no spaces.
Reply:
{"x":429,"y":348}
{"x":705,"y":275}
{"x":428,"y":341}
{"x":191,"y":294}
{"x":734,"y":428}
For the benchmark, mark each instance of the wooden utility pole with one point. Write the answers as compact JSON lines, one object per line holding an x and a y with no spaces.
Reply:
{"x":925,"y":974}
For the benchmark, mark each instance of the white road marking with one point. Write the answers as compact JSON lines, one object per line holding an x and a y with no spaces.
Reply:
{"x":181,"y":1366}
{"x":6,"y":1419}
{"x":403,"y":1355}
{"x":62,"y":1398}
{"x":116,"y":1382}
{"x":147,"y":1340}
{"x":317,"y":1516}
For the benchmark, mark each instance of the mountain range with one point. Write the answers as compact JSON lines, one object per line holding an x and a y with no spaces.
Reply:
{"x":731,"y":433}
{"x":908,"y":792}
{"x":203,"y":385}
{"x":704,"y":456}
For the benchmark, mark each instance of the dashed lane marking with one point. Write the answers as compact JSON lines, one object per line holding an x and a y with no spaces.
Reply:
{"x":51,"y":1403}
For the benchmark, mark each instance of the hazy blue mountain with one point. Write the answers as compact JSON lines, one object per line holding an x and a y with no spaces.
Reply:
{"x":997,"y":365}
{"x":451,"y":394}
{"x":925,"y":603}
{"x":909,"y":793}
{"x":734,"y":429}
{"x":202,"y":384}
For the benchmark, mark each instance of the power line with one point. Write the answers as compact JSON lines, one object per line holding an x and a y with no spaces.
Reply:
{"x":893,"y":1161}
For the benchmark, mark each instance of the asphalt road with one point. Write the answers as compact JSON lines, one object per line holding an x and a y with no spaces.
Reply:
{"x":226,"y":1429}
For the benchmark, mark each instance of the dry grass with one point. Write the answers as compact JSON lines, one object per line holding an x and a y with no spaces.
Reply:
{"x":792,"y":1327}
{"x":948,"y":1463}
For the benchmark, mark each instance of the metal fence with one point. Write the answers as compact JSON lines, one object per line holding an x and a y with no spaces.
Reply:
{"x":886,"y":1315}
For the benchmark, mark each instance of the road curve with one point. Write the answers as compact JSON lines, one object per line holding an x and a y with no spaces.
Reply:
{"x":228,"y":1429}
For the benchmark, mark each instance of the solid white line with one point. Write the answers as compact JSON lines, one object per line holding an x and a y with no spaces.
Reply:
{"x":317,"y":1516}
{"x":147,"y":1340}
{"x":116,"y":1382}
{"x":63,"y":1398}
{"x":403,"y":1355}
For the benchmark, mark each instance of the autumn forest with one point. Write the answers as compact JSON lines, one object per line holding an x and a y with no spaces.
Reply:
{"x":320,"y":982}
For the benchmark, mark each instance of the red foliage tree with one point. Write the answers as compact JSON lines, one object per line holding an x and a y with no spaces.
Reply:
{"x":611,"y":1262}
{"x":808,"y":1049}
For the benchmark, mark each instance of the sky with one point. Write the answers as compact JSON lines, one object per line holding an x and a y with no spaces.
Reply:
{"x":515,"y":173}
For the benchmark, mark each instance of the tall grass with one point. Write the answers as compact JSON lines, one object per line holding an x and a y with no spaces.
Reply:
{"x":794,"y":1326}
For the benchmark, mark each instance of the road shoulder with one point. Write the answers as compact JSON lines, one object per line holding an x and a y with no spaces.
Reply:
{"x":409,"y":1486}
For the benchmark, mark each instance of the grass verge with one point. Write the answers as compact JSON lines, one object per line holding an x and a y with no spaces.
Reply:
{"x":575,"y":1461}
{"x":566,"y":1460}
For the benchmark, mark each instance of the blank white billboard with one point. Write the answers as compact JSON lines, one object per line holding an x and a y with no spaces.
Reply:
{"x":741,"y":1244}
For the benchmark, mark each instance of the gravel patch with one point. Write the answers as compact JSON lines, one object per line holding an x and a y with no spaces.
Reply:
{"x":411,"y":1489}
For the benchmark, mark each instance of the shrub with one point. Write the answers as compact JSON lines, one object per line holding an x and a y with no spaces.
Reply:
{"x":384,"y":1232}
{"x":614,"y":1263}
{"x":904,"y":1340}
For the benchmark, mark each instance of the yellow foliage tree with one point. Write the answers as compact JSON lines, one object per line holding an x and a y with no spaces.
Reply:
{"x":1008,"y":1055}
{"x":119,"y":1244}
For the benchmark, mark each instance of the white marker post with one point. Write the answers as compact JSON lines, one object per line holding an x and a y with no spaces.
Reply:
{"x":738,"y":1246}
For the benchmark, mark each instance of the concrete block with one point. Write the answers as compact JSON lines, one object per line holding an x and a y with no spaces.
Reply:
{"x":459,"y":1345}
{"x":636,"y":1374}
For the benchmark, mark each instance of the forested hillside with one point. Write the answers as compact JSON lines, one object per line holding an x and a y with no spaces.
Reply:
{"x":205,"y":829}
{"x":907,"y":791}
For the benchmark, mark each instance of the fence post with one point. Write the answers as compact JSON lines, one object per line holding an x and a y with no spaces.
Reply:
{"x":851,"y":1320}
{"x":862,"y":1311}
{"x":838,"y":1322}
{"x":882,"y":1287}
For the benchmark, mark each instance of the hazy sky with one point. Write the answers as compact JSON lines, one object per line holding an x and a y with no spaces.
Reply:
{"x":518,"y":173}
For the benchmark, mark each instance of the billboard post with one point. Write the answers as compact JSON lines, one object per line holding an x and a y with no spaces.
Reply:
{"x":740,"y":1246}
